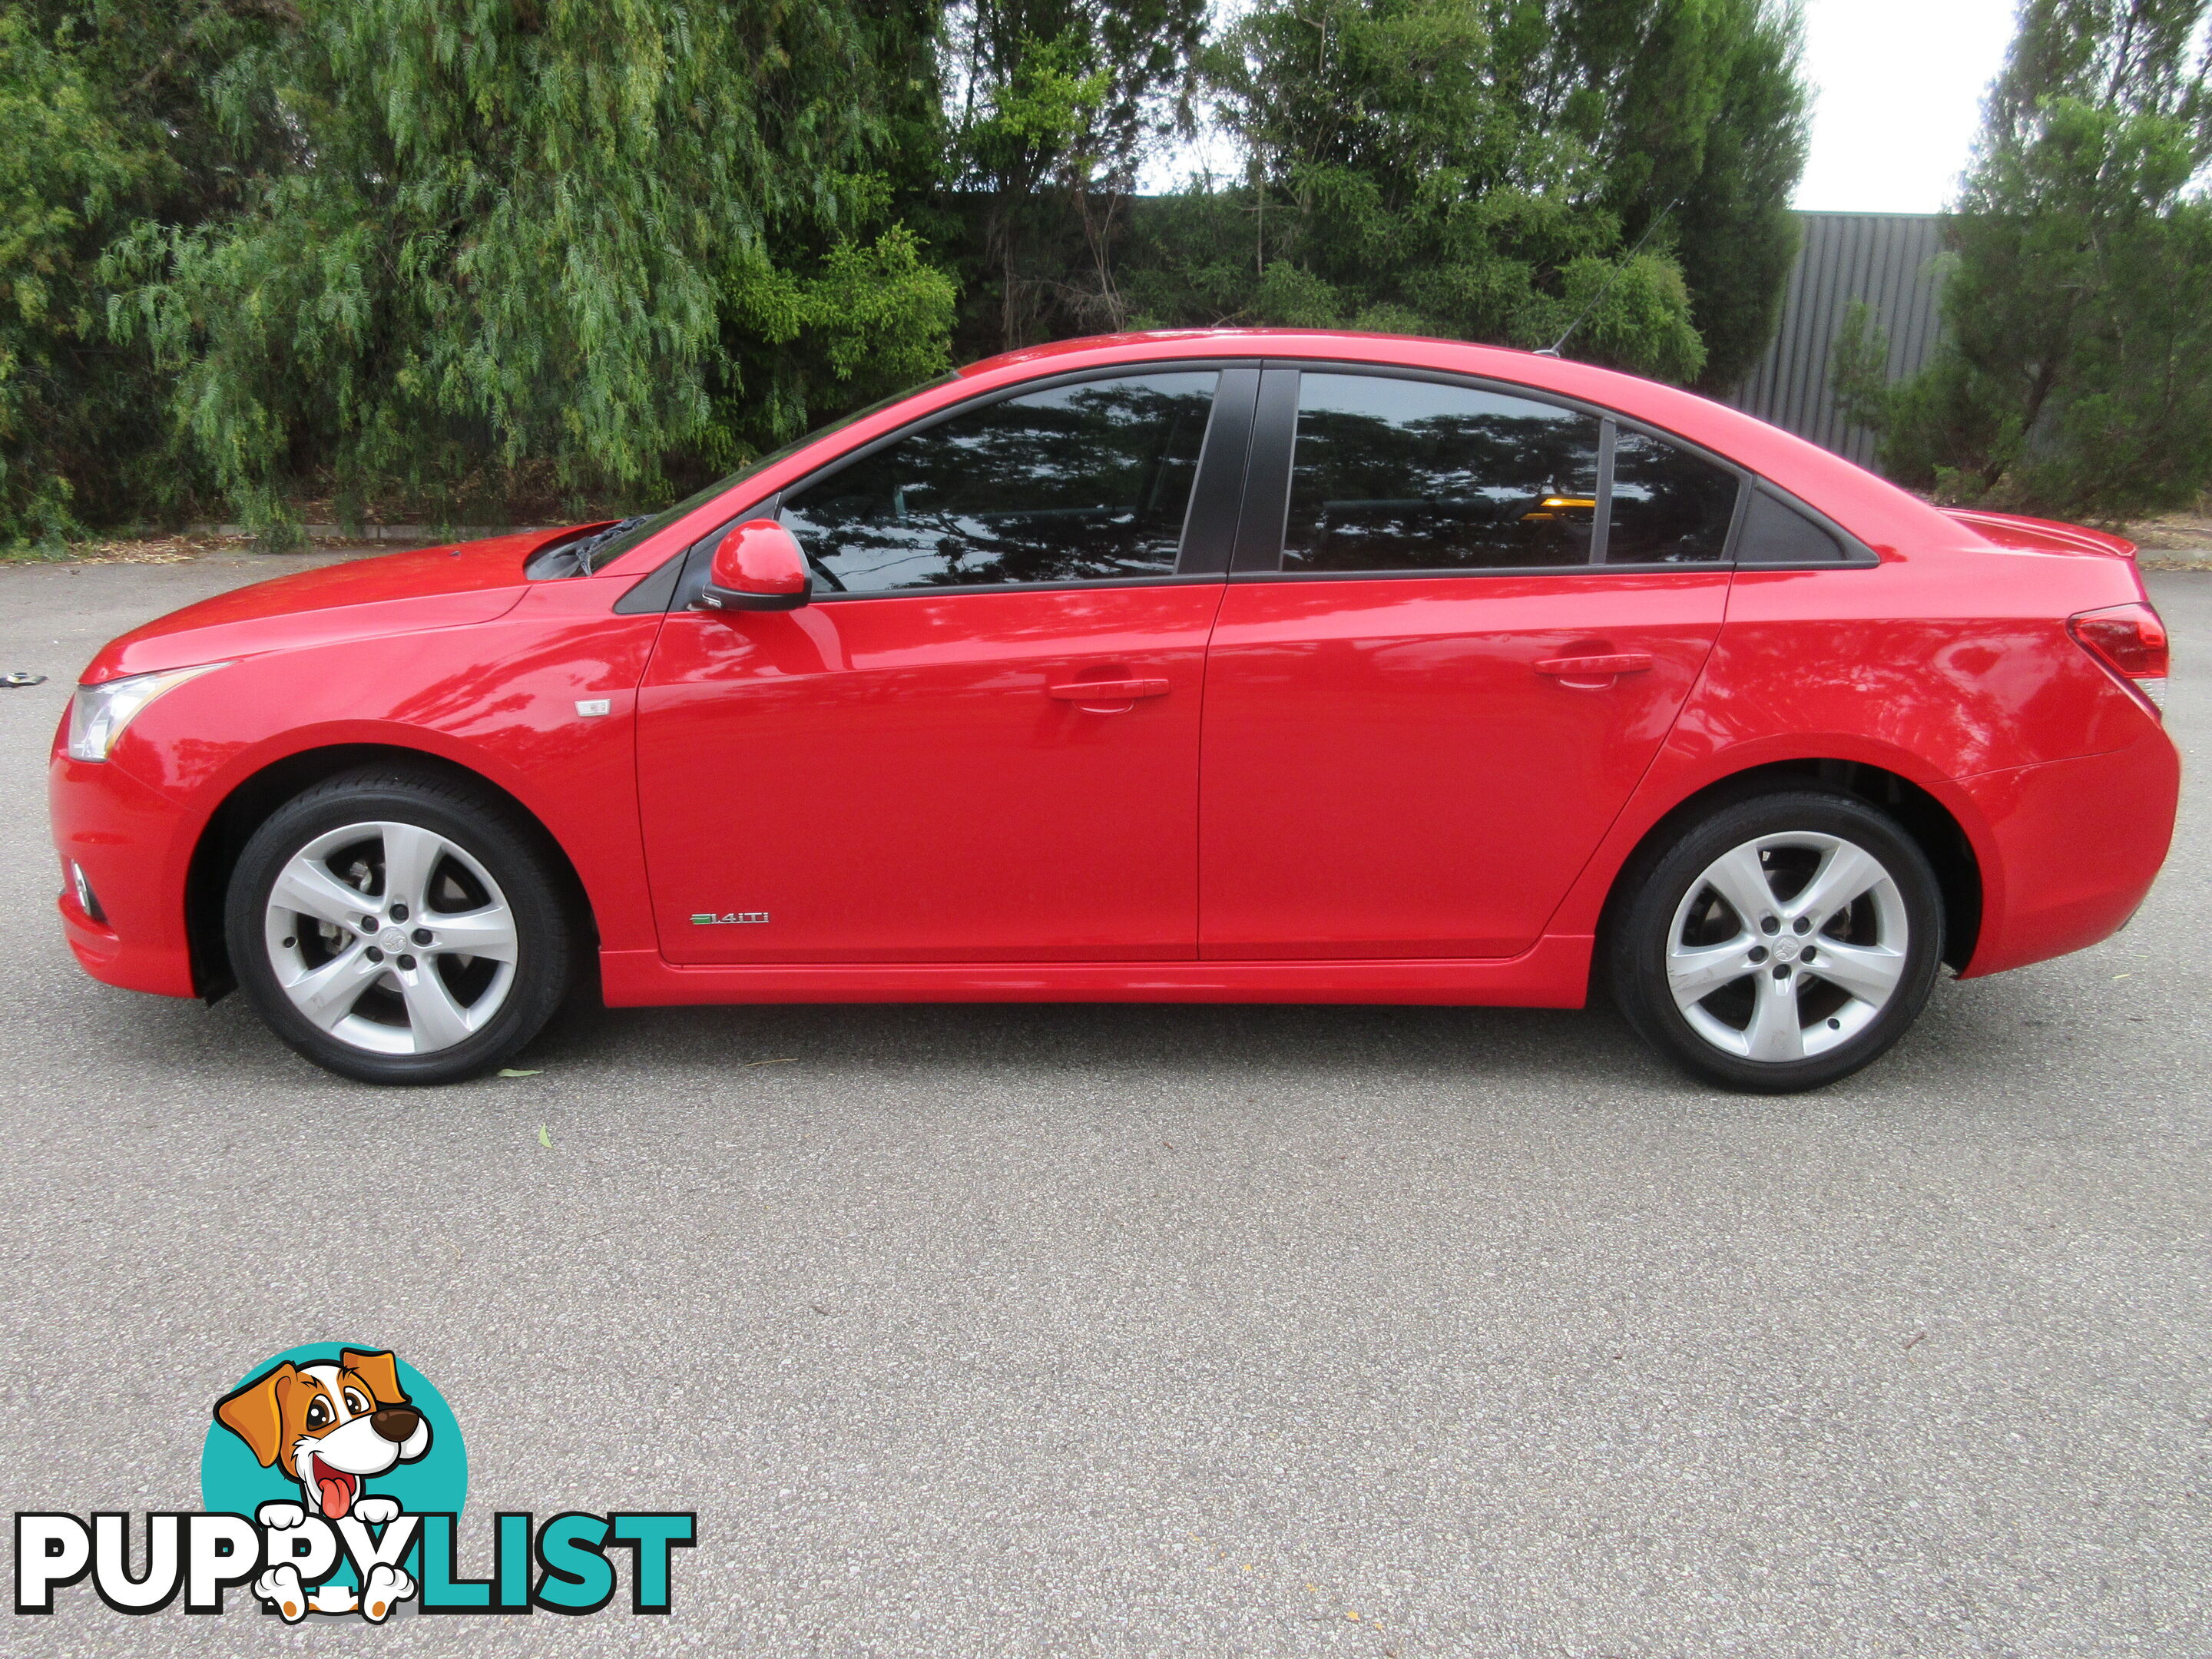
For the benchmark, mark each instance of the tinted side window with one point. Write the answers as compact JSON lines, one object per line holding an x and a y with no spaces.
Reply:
{"x":1774,"y":533}
{"x":1669,"y":507}
{"x":1077,"y":482}
{"x":1412,"y":475}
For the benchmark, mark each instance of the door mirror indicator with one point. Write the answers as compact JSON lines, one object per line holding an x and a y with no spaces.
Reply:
{"x":758,"y":566}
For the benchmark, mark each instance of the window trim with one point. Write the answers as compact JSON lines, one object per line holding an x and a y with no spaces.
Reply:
{"x":1609,"y":435}
{"x":1220,"y":474}
{"x":1264,"y":468}
{"x":1273,"y":451}
{"x":1216,"y":512}
{"x":1261,"y":527}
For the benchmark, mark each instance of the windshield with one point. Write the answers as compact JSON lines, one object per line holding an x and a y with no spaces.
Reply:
{"x":631,"y":531}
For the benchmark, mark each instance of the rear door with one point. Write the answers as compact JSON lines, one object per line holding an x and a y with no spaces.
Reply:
{"x":1463,"y":619}
{"x":912,"y":767}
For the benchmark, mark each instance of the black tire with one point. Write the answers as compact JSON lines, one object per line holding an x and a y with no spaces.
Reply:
{"x":478,"y":829}
{"x":1666,"y":889}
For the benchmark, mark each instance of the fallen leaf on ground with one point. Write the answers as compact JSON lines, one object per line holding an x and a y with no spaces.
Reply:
{"x":509,"y":1071}
{"x":543,"y":1139}
{"x":793,"y":1061}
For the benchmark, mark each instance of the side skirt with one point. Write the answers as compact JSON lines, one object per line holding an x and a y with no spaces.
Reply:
{"x":1554,"y":973}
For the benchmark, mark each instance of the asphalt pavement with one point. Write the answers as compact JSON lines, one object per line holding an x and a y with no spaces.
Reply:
{"x":1157,"y":1330}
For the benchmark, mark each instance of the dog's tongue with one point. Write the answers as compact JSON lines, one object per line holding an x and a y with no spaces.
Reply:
{"x":334,"y":1498}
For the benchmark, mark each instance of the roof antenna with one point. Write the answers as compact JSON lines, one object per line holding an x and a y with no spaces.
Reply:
{"x":1552,"y":349}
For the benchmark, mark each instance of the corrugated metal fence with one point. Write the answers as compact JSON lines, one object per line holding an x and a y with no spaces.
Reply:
{"x":1888,"y":259}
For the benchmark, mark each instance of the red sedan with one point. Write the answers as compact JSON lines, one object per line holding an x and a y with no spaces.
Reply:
{"x":1215,"y":667}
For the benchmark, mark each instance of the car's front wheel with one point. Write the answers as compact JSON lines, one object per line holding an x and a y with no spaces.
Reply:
{"x":399,"y":928}
{"x":1780,"y":943}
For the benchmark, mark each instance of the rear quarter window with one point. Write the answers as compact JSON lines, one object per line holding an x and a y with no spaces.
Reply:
{"x":1774,"y":533}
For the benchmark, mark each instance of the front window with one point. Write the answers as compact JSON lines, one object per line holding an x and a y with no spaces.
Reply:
{"x":1086,"y":482}
{"x":630,"y":532}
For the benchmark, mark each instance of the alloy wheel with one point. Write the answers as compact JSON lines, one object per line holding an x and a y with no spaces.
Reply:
{"x":1787,"y":946}
{"x":390,"y":938}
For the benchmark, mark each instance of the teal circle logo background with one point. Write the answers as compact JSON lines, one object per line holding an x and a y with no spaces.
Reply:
{"x":230,"y":1479}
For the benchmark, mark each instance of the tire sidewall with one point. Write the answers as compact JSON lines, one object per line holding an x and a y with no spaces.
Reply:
{"x":543,"y":950}
{"x":1636,"y":957}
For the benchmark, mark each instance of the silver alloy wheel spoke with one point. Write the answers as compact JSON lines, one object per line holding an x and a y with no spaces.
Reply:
{"x":1868,"y":971}
{"x":411,"y":856}
{"x":306,"y":887}
{"x":1845,"y":874}
{"x":328,"y":994}
{"x":1696,"y":971}
{"x":328,"y":913}
{"x":486,"y":933}
{"x":1775,"y":1031}
{"x":1739,"y":878}
{"x":439,"y":1022}
{"x":1808,"y":989}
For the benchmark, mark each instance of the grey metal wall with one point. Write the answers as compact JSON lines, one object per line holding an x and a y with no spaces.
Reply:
{"x":1888,"y":259}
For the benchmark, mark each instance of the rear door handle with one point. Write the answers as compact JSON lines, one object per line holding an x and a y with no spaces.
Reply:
{"x":1590,"y":668}
{"x":1109,"y":690}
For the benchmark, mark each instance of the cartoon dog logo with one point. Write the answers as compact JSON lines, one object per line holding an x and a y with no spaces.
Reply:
{"x":332,"y":1427}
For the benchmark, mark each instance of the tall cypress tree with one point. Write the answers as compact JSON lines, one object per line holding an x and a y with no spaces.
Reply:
{"x":1494,"y":169}
{"x":2072,"y":376}
{"x":1697,"y":117}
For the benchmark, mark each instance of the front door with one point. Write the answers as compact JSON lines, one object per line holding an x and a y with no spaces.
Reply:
{"x":911,"y":767}
{"x":1487,"y":611}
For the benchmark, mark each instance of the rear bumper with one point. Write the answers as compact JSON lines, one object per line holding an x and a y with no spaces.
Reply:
{"x":2077,"y":845}
{"x":126,"y":839}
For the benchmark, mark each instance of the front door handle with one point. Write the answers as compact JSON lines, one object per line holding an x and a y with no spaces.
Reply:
{"x":1593,"y":668}
{"x":1109,"y":690}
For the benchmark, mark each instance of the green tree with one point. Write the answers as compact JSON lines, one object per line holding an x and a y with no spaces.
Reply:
{"x":104,"y":121}
{"x":540,"y":250}
{"x":2071,"y":377}
{"x":1694,"y":110}
{"x":1495,"y":169}
{"x":1056,"y":103}
{"x":70,"y":173}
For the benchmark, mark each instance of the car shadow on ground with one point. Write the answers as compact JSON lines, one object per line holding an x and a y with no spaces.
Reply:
{"x":1971,"y":1035}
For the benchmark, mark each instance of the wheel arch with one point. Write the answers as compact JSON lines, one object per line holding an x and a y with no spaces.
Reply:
{"x":1932,"y":826}
{"x":254,"y":798}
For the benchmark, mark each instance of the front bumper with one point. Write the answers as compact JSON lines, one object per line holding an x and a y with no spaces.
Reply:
{"x":134,"y":848}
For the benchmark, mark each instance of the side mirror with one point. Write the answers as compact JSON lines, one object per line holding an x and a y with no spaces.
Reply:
{"x":757,"y":566}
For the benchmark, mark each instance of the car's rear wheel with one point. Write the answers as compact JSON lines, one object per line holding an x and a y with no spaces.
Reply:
{"x":1780,"y":943}
{"x":399,"y":928}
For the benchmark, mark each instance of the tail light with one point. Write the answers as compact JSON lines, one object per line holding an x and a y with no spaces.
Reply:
{"x":2129,"y":641}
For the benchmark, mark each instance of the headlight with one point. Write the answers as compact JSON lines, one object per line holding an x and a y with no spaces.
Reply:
{"x":98,"y":713}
